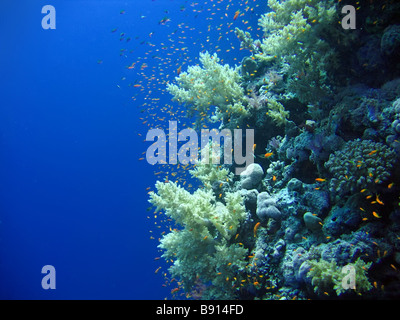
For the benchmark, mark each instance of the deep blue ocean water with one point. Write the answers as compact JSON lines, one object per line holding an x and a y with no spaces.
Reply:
{"x":72,"y":191}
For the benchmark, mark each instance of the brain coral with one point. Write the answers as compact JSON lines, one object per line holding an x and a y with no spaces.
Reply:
{"x":359,"y":164}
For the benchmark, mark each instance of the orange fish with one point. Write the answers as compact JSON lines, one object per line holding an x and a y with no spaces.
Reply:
{"x":256,"y":227}
{"x":378,"y":200}
{"x":320,"y":180}
{"x":376,"y":215}
{"x":179,"y":70}
{"x":269,"y":154}
{"x":236,"y":15}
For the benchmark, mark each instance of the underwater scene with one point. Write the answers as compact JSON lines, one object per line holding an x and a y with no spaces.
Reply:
{"x":200,"y":150}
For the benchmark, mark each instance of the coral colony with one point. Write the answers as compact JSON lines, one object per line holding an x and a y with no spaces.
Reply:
{"x":315,"y":212}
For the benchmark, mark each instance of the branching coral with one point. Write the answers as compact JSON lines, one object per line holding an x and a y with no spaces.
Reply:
{"x":294,"y":39}
{"x":202,"y":249}
{"x":277,"y":112}
{"x":213,"y":84}
{"x":207,"y":172}
{"x":327,"y":276}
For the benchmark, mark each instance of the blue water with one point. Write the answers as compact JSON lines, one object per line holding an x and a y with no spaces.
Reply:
{"x":72,"y":190}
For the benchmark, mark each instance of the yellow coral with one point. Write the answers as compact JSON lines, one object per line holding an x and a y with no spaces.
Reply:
{"x":213,"y":84}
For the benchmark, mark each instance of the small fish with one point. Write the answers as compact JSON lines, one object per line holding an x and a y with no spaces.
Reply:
{"x":372,"y":152}
{"x":236,"y":15}
{"x":320,"y":180}
{"x":174,"y":290}
{"x":376,"y":215}
{"x":256,"y":227}
{"x":378,"y":200}
{"x":390,"y":186}
{"x":164,"y":21}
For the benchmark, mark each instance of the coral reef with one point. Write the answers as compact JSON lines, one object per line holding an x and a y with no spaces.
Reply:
{"x":323,"y":193}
